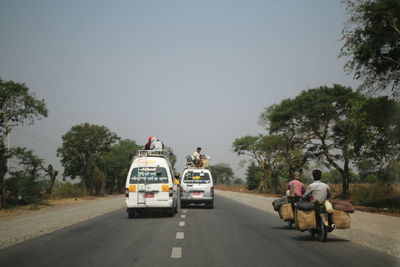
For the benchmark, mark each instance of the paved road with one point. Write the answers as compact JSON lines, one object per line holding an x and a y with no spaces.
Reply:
{"x":232,"y":234}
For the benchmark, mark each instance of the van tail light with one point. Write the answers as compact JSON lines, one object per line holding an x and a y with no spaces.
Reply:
{"x":171,"y":192}
{"x":127,"y":192}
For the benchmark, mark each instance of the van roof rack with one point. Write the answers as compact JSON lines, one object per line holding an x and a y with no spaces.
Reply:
{"x":189,"y":164}
{"x":166,"y":153}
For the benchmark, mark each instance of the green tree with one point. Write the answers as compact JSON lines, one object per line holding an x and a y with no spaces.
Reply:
{"x":284,"y":119}
{"x":25,"y":184}
{"x":252,"y":176}
{"x":327,"y":116}
{"x":377,"y":139}
{"x":222,"y":173}
{"x":17,"y":106}
{"x":372,"y":42}
{"x":266,"y":151}
{"x":81,"y":153}
{"x":251,"y":146}
{"x":116,"y":163}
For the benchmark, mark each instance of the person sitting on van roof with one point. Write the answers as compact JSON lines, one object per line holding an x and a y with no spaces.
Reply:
{"x":156,"y":144}
{"x":197,"y":157}
{"x":147,"y":146}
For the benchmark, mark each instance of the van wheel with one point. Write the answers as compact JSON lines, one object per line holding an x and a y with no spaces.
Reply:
{"x":176,"y":208}
{"x":131,"y":214}
{"x":171,"y":212}
{"x":183,"y":205}
{"x":210,"y":205}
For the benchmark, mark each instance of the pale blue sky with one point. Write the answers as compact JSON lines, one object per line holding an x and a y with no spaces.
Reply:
{"x":193,"y":73}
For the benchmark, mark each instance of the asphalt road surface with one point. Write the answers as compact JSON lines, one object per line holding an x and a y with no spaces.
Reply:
{"x":231,"y":234}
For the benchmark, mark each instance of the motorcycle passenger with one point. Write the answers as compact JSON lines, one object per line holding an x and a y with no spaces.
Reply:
{"x":295,"y":187}
{"x":318,"y":192}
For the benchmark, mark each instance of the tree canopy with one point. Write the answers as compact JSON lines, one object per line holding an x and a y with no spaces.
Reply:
{"x":18,"y":106}
{"x":83,"y":147}
{"x":372,"y":43}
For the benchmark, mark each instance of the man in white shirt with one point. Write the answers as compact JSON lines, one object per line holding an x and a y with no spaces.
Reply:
{"x":156,"y":144}
{"x":197,"y":157}
{"x":318,"y":191}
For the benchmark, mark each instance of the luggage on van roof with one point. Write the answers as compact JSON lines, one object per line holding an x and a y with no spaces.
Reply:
{"x":190,"y":163}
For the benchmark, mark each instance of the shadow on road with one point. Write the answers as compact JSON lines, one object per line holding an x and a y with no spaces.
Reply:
{"x":145,"y":214}
{"x":283,"y":227}
{"x":307,"y":237}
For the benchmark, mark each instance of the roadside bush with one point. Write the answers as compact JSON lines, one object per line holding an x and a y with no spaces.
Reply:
{"x":66,"y":190}
{"x":377,"y":195}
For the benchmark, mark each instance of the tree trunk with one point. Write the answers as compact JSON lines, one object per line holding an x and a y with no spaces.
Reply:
{"x":52,"y":174}
{"x":346,"y":180}
{"x":3,"y":172}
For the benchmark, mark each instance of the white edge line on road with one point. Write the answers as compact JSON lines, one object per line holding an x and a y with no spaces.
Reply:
{"x":176,"y":253}
{"x":181,"y":223}
{"x":183,"y":216}
{"x":184,"y":211}
{"x":180,"y":235}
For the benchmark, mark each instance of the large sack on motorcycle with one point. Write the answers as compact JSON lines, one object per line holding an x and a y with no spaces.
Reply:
{"x":286,"y":212}
{"x":304,"y":205}
{"x":342,"y":206}
{"x":277,"y":203}
{"x":341,"y":219}
{"x":305,"y":219}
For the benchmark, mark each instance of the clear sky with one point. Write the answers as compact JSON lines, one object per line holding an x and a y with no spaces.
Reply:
{"x":193,"y":73}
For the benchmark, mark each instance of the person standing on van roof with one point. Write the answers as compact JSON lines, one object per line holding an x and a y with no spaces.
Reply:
{"x":148,"y":144}
{"x":197,"y":157}
{"x":296,"y":187}
{"x":156,"y":144}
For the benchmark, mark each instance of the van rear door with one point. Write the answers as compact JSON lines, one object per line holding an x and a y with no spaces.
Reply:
{"x":152,"y":184}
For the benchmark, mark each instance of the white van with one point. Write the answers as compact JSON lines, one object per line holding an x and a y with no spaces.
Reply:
{"x":197,"y":187}
{"x":150,"y":184}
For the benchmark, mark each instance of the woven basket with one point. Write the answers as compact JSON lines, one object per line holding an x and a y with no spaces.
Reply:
{"x":305,"y":220}
{"x":341,"y":219}
{"x":286,"y":211}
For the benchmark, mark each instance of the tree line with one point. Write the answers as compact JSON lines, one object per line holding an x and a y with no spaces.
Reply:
{"x":335,"y":126}
{"x":90,"y":152}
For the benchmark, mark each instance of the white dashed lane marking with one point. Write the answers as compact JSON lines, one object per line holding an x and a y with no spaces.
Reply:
{"x":180,"y":235}
{"x":181,"y":223}
{"x":183,"y":216}
{"x":184,"y":211}
{"x":176,"y":253}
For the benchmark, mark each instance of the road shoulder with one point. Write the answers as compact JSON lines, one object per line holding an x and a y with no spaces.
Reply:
{"x":372,"y":230}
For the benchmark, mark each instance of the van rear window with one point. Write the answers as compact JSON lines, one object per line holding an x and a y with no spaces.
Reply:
{"x":196,"y":177}
{"x":145,"y":175}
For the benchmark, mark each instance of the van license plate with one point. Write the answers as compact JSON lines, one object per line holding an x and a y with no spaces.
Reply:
{"x":196,"y":194}
{"x":149,"y":195}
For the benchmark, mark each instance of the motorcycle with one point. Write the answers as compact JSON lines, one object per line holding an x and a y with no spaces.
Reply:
{"x":322,"y":223}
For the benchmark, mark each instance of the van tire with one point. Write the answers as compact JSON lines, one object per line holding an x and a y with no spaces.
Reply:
{"x":183,"y":205}
{"x":210,"y":205}
{"x":176,"y":208}
{"x":171,"y":212}
{"x":131,"y":214}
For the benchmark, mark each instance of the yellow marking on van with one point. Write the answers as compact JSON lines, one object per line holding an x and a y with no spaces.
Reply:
{"x":147,"y":162}
{"x":132,"y":188}
{"x":164,"y":188}
{"x":196,"y":178}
